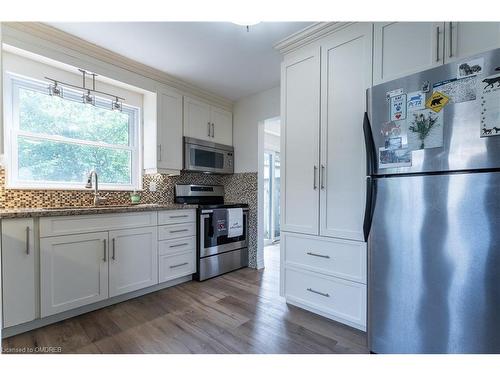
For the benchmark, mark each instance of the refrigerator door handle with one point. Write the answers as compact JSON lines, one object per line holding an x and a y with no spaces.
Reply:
{"x":371,"y":197}
{"x":371,"y":155}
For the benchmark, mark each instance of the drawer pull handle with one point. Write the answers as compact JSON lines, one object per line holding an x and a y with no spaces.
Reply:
{"x":114,"y":250}
{"x":178,"y":231}
{"x":179,"y":265}
{"x":179,"y":244}
{"x":178,"y":216}
{"x":319,"y":255}
{"x":320,"y":293}
{"x":28,"y":240}
{"x":104,"y":254}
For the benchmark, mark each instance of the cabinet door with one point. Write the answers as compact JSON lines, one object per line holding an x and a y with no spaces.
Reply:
{"x":403,"y":48}
{"x":300,"y":85}
{"x":73,"y":271}
{"x":464,"y":39}
{"x":169,"y":130}
{"x":222,"y":126}
{"x":133,"y":260}
{"x":18,"y":271}
{"x":346,"y":74}
{"x":197,"y":122}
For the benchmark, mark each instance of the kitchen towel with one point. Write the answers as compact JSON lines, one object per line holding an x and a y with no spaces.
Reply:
{"x":219,"y":218}
{"x":234,"y":222}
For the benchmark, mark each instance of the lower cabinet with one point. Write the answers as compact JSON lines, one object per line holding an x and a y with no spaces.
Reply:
{"x":133,"y":260}
{"x":326,"y":275}
{"x":73,"y":271}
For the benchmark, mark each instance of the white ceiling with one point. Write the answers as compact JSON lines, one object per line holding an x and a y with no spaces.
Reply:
{"x":220,"y":57}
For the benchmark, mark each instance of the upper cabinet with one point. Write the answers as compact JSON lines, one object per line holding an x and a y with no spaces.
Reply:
{"x":206,"y":122}
{"x":163,"y":132}
{"x":403,"y":48}
{"x":464,"y":39}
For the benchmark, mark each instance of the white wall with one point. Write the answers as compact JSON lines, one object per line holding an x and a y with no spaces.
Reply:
{"x":247,"y":113}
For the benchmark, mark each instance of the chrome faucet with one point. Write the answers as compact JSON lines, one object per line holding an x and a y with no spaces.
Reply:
{"x":97,"y":199}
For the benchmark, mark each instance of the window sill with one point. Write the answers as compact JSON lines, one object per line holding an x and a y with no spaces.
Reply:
{"x":75,"y":188}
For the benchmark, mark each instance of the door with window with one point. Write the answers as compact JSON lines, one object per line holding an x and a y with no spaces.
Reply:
{"x":271,"y":197}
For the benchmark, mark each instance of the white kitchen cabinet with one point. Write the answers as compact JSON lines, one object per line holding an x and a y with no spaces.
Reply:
{"x":73,"y":271}
{"x":403,"y":48}
{"x":345,"y":76}
{"x":300,"y":115}
{"x":133,"y":260}
{"x":463,"y":39}
{"x":163,"y":134}
{"x":206,"y":122}
{"x":18,"y":271}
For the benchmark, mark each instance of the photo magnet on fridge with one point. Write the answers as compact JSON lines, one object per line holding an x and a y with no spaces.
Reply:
{"x":393,"y":143}
{"x":489,"y":95}
{"x":470,"y":68}
{"x":458,"y":90}
{"x":425,"y":130}
{"x":398,"y":107}
{"x":416,"y":100}
{"x":394,"y":158}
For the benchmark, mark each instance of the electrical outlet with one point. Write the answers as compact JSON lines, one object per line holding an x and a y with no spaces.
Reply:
{"x":152,"y":186}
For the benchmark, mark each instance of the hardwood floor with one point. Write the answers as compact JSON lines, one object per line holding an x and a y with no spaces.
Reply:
{"x":240,"y":312}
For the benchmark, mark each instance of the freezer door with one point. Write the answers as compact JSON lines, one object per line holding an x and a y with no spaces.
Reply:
{"x":434,"y":265}
{"x":463,"y":148}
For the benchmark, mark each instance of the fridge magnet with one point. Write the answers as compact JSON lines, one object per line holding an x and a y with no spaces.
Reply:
{"x":392,"y":93}
{"x":393,"y":143}
{"x":437,"y":101}
{"x":416,"y":100}
{"x":470,"y":68}
{"x":390,"y":129}
{"x":398,"y":107}
{"x":458,"y":90}
{"x":490,"y":106}
{"x":425,"y":130}
{"x":426,"y":86}
{"x":394,"y":158}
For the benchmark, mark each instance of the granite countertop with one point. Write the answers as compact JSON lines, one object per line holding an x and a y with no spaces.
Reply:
{"x":89,"y":210}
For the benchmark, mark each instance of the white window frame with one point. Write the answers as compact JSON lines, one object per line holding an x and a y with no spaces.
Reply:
{"x":12,"y":131}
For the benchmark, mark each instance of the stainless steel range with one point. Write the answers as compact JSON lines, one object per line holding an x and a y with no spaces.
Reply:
{"x":222,"y":230}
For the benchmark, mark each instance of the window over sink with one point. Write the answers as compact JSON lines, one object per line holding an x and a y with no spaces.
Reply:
{"x":53,"y":142}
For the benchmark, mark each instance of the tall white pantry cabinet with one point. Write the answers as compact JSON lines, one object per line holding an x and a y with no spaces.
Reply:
{"x":323,"y":174}
{"x":324,"y":76}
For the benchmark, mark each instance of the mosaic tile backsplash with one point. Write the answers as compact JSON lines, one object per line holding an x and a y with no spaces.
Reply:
{"x":239,"y":187}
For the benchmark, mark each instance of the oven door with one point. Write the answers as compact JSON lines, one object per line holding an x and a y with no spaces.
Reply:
{"x":211,"y":243}
{"x":202,"y":158}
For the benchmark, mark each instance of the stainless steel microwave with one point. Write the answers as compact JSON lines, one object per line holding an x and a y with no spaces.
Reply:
{"x":208,"y":157}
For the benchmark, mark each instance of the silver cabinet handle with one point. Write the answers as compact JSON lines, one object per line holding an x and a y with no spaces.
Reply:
{"x":322,"y":177}
{"x":104,"y":255}
{"x":179,"y":244}
{"x":178,"y":231}
{"x":319,"y":255}
{"x":177,"y":216}
{"x":28,"y":240}
{"x":209,"y":128}
{"x":315,"y":169}
{"x":451,"y":39}
{"x":159,"y":152}
{"x":213,"y":130}
{"x":437,"y":44}
{"x":179,"y":265}
{"x":114,"y":250}
{"x":320,"y":293}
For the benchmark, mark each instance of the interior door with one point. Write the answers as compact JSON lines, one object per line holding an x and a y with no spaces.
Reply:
{"x":73,"y":271}
{"x":403,"y":48}
{"x":434,"y":256}
{"x":300,"y":101}
{"x":133,"y":260}
{"x":222,"y":126}
{"x":346,"y":74}
{"x":197,"y":122}
{"x":464,"y":39}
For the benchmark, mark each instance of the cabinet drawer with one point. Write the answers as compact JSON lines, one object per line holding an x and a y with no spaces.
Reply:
{"x":340,"y":258}
{"x":73,"y":224}
{"x":176,"y":246}
{"x":174,"y":266}
{"x":176,"y":217}
{"x":337,"y":298}
{"x":170,"y":232}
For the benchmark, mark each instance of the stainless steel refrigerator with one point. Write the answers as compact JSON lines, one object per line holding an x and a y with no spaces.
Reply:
{"x":432,"y":216}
